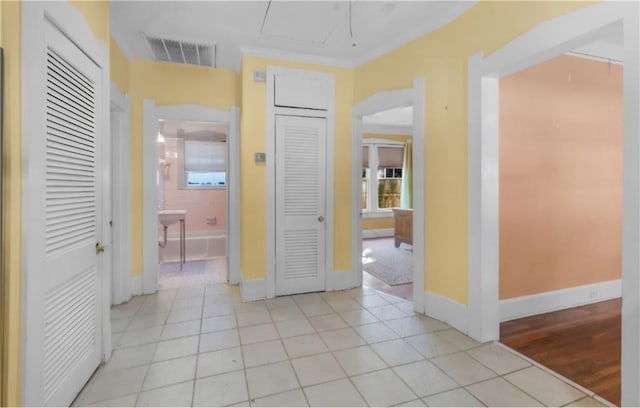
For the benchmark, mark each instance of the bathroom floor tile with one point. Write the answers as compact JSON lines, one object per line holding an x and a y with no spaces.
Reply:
{"x":383,"y":388}
{"x":458,"y":397}
{"x":498,"y":359}
{"x":220,"y":390}
{"x":359,"y":360}
{"x":170,"y":372}
{"x":396,"y":352}
{"x":178,"y":395}
{"x":339,"y":393}
{"x":220,"y":361}
{"x":424,"y":378}
{"x":499,"y":393}
{"x":293,"y":398}
{"x":463,"y":368}
{"x":317,"y":369}
{"x":544,"y":387}
{"x":304,"y":345}
{"x":263,"y":353}
{"x":271,"y":379}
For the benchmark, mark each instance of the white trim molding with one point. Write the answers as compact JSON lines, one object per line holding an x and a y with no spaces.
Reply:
{"x":379,"y":102}
{"x":342,"y":280}
{"x":271,"y":111}
{"x":544,"y":41}
{"x":121,"y":190}
{"x":195,"y":113}
{"x":446,"y":310}
{"x":386,"y":129}
{"x":255,"y":289}
{"x":377,"y":233}
{"x":295,"y":57}
{"x":545,"y":302}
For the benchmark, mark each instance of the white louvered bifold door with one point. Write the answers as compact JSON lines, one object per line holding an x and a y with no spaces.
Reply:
{"x":63,"y":325}
{"x":300,"y":204}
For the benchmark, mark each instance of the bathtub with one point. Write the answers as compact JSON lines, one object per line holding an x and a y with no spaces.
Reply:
{"x":199,"y":246}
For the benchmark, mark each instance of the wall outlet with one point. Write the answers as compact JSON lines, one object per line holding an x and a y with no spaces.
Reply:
{"x":211,"y":220}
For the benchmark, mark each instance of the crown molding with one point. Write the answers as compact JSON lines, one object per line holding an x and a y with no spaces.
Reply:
{"x":296,"y":57}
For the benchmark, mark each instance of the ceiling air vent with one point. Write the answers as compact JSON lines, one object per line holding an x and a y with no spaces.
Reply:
{"x":181,"y":52}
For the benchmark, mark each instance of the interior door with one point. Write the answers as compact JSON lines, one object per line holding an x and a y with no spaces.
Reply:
{"x":63,"y":291}
{"x":300,"y":204}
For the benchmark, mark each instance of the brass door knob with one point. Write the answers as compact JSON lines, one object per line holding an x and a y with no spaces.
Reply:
{"x":99,"y":248}
{"x":321,"y":218}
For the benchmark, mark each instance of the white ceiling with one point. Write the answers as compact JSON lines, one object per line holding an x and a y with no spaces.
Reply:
{"x":316,"y":31}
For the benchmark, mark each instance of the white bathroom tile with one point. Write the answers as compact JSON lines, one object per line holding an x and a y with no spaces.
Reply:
{"x":338,"y":393}
{"x":113,"y":384}
{"x":317,"y":369}
{"x":181,"y":347}
{"x":219,"y":340}
{"x":359,"y":360}
{"x":293,"y":398}
{"x":170,"y":372}
{"x":218,"y":323}
{"x":498,"y":359}
{"x":292,"y":328}
{"x":183,"y":329}
{"x":263,"y":353}
{"x":463,"y":369}
{"x":375,"y":333}
{"x":396,"y":352}
{"x":130,"y":357}
{"x":271,"y":379}
{"x":383,"y":388}
{"x":431,"y":345}
{"x":327,"y":322}
{"x":458,"y":397}
{"x":219,"y":362}
{"x":140,"y":336}
{"x":259,"y":333}
{"x":304,"y":345}
{"x":341,"y":339}
{"x":424,"y":378}
{"x":499,"y":393}
{"x":220,"y":390}
{"x":544,"y":387}
{"x":178,"y":395}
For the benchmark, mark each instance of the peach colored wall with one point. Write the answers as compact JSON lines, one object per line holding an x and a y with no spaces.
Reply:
{"x":560,"y":176}
{"x":199,"y":204}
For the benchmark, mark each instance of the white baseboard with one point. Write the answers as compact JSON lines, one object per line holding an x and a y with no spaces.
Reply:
{"x":530,"y":305}
{"x":343,"y":280}
{"x":377,"y":233}
{"x":136,"y":285}
{"x":446,"y":310}
{"x":255,"y":289}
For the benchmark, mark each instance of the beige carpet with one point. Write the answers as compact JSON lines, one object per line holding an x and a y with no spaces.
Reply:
{"x":389,"y":264}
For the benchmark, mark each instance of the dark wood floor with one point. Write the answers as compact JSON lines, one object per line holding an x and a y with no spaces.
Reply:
{"x":581,"y":343}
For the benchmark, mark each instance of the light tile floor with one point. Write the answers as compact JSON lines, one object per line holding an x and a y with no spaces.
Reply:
{"x":202,"y":346}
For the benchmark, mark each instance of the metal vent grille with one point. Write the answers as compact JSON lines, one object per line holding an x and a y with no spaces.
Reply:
{"x":181,"y":52}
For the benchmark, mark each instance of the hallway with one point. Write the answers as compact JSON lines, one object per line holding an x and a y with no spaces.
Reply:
{"x":203,"y":346}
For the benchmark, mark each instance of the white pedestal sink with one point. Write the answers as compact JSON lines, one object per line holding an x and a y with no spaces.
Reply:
{"x":168,"y":217}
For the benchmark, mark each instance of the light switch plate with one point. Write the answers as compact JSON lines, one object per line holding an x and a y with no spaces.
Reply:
{"x":260,"y":157}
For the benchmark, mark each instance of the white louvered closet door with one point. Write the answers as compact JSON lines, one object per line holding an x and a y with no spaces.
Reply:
{"x":63,"y":307}
{"x":300,"y":204}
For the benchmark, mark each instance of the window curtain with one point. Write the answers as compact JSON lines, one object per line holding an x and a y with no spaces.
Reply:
{"x":406,"y":189}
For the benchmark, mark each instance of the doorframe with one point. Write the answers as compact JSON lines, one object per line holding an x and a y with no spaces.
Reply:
{"x":375,"y":103}
{"x":192,"y":113}
{"x":271,"y":112}
{"x":70,"y":21}
{"x":545,"y":41}
{"x":121,"y":200}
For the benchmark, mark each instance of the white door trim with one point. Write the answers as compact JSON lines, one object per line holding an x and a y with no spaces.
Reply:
{"x":375,"y":103}
{"x":271,"y":112}
{"x":72,"y":23}
{"x":197,"y":113}
{"x":121,"y":200}
{"x":547,"y":40}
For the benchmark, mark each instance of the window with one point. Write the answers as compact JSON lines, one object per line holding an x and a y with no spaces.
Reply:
{"x":381,"y":188}
{"x":201,"y":164}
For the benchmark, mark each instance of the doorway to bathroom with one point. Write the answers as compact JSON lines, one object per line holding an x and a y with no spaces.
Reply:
{"x":192,"y":203}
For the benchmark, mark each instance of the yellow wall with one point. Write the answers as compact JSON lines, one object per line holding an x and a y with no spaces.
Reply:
{"x":10,"y":26}
{"x":441,"y":58}
{"x":169,"y":84}
{"x":253,"y":190}
{"x":96,"y":12}
{"x":118,"y":67}
{"x":381,"y":222}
